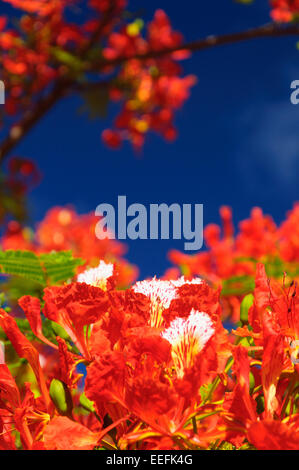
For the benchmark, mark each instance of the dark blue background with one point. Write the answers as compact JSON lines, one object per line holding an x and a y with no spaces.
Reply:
{"x":238,"y":142}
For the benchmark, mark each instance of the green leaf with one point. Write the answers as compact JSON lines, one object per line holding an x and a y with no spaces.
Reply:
{"x":226,"y":446}
{"x":247,"y":446}
{"x":25,"y":328}
{"x":22,"y":263}
{"x":43,"y":269}
{"x":17,"y":286}
{"x":59,"y":266}
{"x":238,"y":285}
{"x":68,"y":59}
{"x":246,"y":303}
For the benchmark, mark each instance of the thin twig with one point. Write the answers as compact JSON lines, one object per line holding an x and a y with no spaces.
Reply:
{"x":265,"y":31}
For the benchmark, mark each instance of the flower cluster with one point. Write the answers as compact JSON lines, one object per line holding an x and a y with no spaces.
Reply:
{"x":107,"y":54}
{"x":284,"y":10}
{"x":44,"y":51}
{"x":29,"y":61}
{"x":152,"y":89}
{"x":154,"y":365}
{"x":230,"y":260}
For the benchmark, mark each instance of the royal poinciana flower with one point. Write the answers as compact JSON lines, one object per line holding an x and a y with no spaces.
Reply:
{"x":230,"y":258}
{"x":162,"y":369}
{"x":284,"y":10}
{"x":99,"y":276}
{"x":161,"y":293}
{"x":154,"y":88}
{"x":188,"y":338}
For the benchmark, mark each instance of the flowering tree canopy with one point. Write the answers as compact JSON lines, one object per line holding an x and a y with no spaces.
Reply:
{"x":107,"y":55}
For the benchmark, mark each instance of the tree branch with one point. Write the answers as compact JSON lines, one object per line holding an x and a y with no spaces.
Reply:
{"x":60,"y":89}
{"x":265,"y":31}
{"x":30,"y":118}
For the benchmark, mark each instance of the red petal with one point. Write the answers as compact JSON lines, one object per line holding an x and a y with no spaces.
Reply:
{"x":65,"y":434}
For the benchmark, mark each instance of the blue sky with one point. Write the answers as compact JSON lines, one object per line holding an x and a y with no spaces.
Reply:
{"x":238,"y":141}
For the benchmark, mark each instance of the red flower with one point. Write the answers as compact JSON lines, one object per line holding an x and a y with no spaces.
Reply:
{"x":73,"y":306}
{"x":274,"y":435}
{"x":284,"y":10}
{"x":64,"y":434}
{"x":32,"y":310}
{"x":25,"y":350}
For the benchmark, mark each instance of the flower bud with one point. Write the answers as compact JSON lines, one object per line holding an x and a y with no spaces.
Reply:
{"x":246,"y":303}
{"x":59,"y":331}
{"x":61,"y":397}
{"x":86,"y":403}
